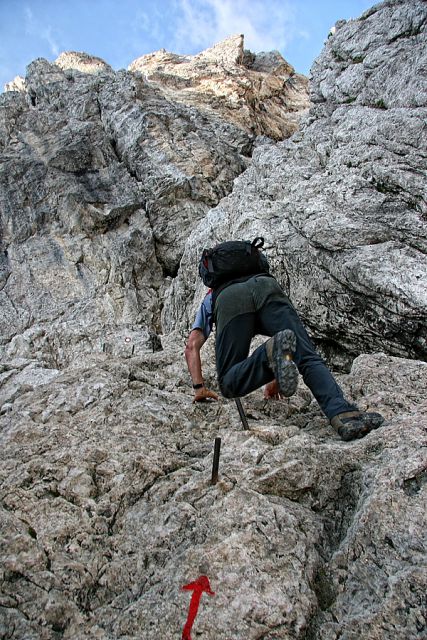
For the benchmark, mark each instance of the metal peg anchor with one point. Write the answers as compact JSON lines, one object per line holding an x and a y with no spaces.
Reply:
{"x":215,"y":464}
{"x":242,"y":414}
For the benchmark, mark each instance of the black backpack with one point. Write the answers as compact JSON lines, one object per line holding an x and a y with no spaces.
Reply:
{"x":232,"y":260}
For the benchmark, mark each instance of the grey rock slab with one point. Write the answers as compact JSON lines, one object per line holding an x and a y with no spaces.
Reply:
{"x":103,"y":177}
{"x":30,"y":377}
{"x":106,"y":503}
{"x":109,"y":511}
{"x":342,"y":203}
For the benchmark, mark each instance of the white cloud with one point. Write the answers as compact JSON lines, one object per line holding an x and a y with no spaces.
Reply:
{"x":151,"y":23}
{"x":33,"y":28}
{"x":266,"y":24}
{"x":47,"y":35}
{"x":29,"y":19}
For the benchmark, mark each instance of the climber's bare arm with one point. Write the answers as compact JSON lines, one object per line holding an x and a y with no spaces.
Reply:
{"x":195,"y":342}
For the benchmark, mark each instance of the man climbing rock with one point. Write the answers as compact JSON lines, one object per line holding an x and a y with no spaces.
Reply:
{"x":246,"y":300}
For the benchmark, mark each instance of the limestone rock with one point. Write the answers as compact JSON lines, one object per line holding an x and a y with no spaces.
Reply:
{"x":342,"y":203}
{"x":17,"y":84}
{"x":82,"y":62}
{"x":102,"y":178}
{"x":106,"y":505}
{"x":261,"y":93}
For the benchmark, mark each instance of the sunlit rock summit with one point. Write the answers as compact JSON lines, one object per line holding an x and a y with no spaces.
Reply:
{"x":261,"y":93}
{"x":111,"y":183}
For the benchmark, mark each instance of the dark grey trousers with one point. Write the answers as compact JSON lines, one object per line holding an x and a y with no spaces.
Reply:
{"x":259,"y":306}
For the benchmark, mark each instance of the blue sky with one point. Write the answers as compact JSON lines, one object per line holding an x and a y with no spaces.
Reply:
{"x":121,"y":30}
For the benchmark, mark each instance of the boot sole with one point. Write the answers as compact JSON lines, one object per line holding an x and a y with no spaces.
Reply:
{"x":285,"y":370}
{"x":360,"y":428}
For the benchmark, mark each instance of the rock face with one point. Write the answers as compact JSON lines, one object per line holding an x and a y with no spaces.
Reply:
{"x":103,"y":177}
{"x":260,"y":93}
{"x":107,"y":508}
{"x":82,"y":62}
{"x":343,"y":202}
{"x":107,"y":180}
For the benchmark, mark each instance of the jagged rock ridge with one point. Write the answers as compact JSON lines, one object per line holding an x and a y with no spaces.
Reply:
{"x":261,"y":93}
{"x":343,"y":202}
{"x":377,"y":89}
{"x":106,"y":510}
{"x":103,"y":176}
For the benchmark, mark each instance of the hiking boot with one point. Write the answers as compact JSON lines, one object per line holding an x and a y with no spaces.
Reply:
{"x":356,"y":424}
{"x":280,"y":349}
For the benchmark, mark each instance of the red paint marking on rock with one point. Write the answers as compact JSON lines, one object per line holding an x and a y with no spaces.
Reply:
{"x":197,"y":587}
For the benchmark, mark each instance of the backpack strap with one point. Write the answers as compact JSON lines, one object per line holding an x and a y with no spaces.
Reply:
{"x":257,"y":243}
{"x":207,"y":259}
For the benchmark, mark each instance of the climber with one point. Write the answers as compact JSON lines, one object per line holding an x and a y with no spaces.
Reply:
{"x":244,"y":306}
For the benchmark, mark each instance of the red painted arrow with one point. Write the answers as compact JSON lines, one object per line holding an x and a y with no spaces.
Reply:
{"x":198,"y":586}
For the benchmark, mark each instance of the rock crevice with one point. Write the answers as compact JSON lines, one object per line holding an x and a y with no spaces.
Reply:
{"x":112,"y":183}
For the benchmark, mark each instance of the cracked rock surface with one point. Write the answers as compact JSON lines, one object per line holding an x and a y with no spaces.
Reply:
{"x":103,"y":176}
{"x":110,"y":185}
{"x":101,"y":180}
{"x":342,"y":203}
{"x":107,"y":508}
{"x":260,"y":93}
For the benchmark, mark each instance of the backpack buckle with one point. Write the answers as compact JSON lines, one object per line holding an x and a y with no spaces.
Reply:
{"x":258,"y":243}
